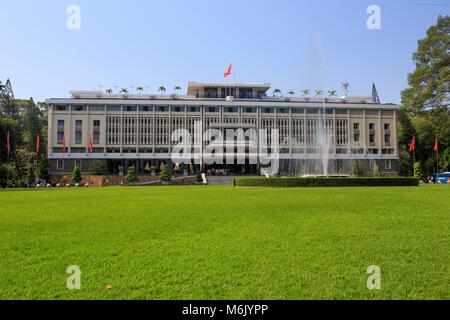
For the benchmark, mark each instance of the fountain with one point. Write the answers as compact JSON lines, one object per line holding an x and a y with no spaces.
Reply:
{"x":319,"y":158}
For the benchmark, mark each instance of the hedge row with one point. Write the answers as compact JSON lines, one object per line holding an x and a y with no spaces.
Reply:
{"x":325,"y":182}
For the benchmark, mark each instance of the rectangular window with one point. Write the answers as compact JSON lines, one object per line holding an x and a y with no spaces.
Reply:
{"x":372,"y":133}
{"x":77,"y":150}
{"x":297,"y":110}
{"x":356,"y":132}
{"x":312,"y":110}
{"x":146,"y":109}
{"x":283,"y":110}
{"x":177,"y":109}
{"x":60,"y":132}
{"x":249,"y":110}
{"x":78,"y":108}
{"x":78,"y":163}
{"x":60,"y":164}
{"x":212,"y":109}
{"x":113,"y":109}
{"x":388,"y":164}
{"x":78,"y":131}
{"x":267,"y":110}
{"x":96,"y":132}
{"x":193,"y":109}
{"x":387,"y":133}
{"x":341,"y":111}
{"x":130,"y":108}
{"x":161,"y":109}
{"x":230,"y":110}
{"x":97,"y":108}
{"x":60,"y":108}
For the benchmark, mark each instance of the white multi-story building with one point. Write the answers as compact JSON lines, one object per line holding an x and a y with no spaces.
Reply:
{"x":136,"y":129}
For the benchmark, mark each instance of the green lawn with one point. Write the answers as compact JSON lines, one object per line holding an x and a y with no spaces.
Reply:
{"x":225,"y":243}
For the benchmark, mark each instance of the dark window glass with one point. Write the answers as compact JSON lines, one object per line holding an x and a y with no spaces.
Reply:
{"x":161,"y":109}
{"x":212,"y":109}
{"x":130,"y":108}
{"x":230,"y":110}
{"x":146,"y":109}
{"x":312,"y":111}
{"x":177,"y":109}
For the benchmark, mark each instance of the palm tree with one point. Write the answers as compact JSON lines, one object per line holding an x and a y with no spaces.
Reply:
{"x":291,"y":93}
{"x":277,"y":92}
{"x":332,"y":93}
{"x":124,"y":91}
{"x":319,"y":93}
{"x":162,"y":90}
{"x":346,"y":86}
{"x":140,"y":89}
{"x":177,"y":89}
{"x":306,"y":92}
{"x":108,"y":91}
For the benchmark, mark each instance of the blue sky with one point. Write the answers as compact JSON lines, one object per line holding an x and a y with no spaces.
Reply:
{"x":288,"y":43}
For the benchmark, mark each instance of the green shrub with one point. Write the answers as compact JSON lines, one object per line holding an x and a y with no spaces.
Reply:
{"x":98,"y":168}
{"x":165,"y":174}
{"x":41,"y":169}
{"x":31,"y":177}
{"x":325,"y":182}
{"x":417,"y":170}
{"x":359,"y":168}
{"x":76,"y":175}
{"x":198,"y":178}
{"x":376,"y":171}
{"x":131,"y":175}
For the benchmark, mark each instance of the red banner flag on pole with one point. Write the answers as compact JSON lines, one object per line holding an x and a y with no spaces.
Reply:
{"x":63,"y":144}
{"x":436,"y":145}
{"x":38,"y":143}
{"x":8,"y":143}
{"x":227,"y":73}
{"x":412,"y":148}
{"x":91,"y":147}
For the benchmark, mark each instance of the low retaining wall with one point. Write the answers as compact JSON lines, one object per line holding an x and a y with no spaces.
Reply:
{"x":100,"y":181}
{"x":325,"y":182}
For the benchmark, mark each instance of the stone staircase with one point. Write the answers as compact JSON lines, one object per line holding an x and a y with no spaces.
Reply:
{"x":220,"y":180}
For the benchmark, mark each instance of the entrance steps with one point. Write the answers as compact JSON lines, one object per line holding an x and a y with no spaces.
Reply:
{"x":220,"y":180}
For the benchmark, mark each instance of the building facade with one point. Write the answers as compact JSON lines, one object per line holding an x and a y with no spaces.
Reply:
{"x":125,"y":129}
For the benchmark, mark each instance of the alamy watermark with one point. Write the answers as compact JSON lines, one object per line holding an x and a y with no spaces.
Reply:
{"x":74,"y":280}
{"x":374,"y":280}
{"x":230,"y":146}
{"x":374,"y":19}
{"x":74,"y":18}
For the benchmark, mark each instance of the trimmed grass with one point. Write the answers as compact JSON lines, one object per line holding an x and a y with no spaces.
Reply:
{"x":225,"y":243}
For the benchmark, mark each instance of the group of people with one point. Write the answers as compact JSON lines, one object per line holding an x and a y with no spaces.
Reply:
{"x":217,"y":172}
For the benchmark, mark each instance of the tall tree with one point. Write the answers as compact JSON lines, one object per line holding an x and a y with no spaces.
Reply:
{"x":429,"y":84}
{"x":32,"y":125}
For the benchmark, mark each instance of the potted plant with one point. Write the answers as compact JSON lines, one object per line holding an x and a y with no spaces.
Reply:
{"x":131,"y":175}
{"x":164,"y":177}
{"x":306,"y":94}
{"x":153,"y":171}
{"x":120,"y":170}
{"x":162,"y":90}
{"x":124,"y":92}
